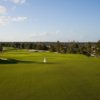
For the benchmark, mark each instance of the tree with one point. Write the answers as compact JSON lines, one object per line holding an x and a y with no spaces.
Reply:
{"x":1,"y":48}
{"x":85,"y":50}
{"x":98,"y":47}
{"x":73,"y":47}
{"x":63,"y":49}
{"x":58,"y":46}
{"x":41,"y":46}
{"x":52,"y":48}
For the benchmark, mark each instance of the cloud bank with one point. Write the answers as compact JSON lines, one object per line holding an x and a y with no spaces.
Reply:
{"x":3,"y":9}
{"x":4,"y":20}
{"x":16,"y":1}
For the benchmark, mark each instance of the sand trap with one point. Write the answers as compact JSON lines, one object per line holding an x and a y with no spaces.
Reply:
{"x":3,"y":58}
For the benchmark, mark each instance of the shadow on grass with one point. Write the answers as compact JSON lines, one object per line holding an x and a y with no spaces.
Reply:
{"x":14,"y":61}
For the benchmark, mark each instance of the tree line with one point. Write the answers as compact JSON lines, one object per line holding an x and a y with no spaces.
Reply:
{"x":86,"y":48}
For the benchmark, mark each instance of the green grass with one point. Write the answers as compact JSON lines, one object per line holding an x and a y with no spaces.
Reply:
{"x":64,"y":77}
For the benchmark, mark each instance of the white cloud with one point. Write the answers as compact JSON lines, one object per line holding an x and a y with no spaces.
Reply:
{"x":2,"y":9}
{"x":44,"y":34}
{"x":19,"y":18}
{"x":18,"y":1}
{"x":4,"y":20}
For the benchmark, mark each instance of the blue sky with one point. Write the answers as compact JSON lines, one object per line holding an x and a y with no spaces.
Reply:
{"x":49,"y":20}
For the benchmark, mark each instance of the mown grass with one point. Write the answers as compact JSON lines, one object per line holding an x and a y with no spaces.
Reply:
{"x":64,"y":77}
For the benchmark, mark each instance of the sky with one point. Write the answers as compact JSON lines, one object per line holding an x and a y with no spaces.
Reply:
{"x":50,"y":20}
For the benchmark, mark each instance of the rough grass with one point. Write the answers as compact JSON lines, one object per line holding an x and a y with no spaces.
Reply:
{"x":64,"y":77}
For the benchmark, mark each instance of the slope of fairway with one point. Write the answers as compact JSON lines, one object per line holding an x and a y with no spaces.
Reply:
{"x":63,"y":77}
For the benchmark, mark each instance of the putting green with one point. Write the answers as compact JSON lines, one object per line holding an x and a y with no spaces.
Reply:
{"x":63,"y":77}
